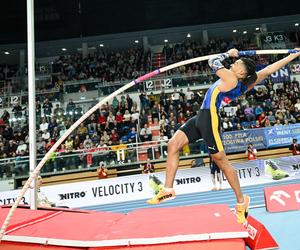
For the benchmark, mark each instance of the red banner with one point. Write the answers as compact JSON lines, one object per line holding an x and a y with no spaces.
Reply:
{"x":283,"y":198}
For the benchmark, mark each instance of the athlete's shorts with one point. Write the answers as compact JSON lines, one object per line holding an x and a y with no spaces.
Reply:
{"x":206,"y":125}
{"x":214,"y":168}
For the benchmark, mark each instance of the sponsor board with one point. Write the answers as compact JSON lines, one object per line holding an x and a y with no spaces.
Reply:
{"x":261,"y":138}
{"x":283,"y":198}
{"x":137,"y":187}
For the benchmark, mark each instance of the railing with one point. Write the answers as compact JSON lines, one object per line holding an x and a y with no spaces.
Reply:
{"x":157,"y":83}
{"x":82,"y":160}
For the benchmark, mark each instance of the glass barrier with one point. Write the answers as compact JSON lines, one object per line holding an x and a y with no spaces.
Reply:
{"x":111,"y":157}
{"x":153,"y":84}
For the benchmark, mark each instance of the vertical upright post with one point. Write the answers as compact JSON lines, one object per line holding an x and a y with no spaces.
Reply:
{"x":31,"y":98}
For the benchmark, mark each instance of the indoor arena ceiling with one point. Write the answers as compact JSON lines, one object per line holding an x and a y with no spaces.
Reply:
{"x":61,"y":19}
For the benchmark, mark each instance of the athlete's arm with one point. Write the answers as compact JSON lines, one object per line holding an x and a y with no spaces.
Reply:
{"x":228,"y":78}
{"x":264,"y":73}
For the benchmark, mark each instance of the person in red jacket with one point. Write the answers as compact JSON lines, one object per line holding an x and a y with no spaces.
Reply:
{"x":295,"y":147}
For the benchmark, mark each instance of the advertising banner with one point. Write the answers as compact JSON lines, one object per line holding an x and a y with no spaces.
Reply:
{"x":237,"y":141}
{"x":283,"y":198}
{"x":261,"y":138}
{"x":137,"y":187}
{"x":281,"y":135}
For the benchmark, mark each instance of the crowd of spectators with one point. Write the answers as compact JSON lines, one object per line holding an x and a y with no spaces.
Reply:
{"x":115,"y":125}
{"x":191,"y":49}
{"x":106,"y":66}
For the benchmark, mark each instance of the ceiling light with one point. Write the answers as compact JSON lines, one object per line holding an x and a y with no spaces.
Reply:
{"x":257,"y":28}
{"x":296,"y":24}
{"x":188,"y":35}
{"x":6,"y":53}
{"x":136,"y":41}
{"x":234,"y":31}
{"x":101,"y":45}
{"x":166,"y":40}
{"x":64,"y":49}
{"x":244,"y":32}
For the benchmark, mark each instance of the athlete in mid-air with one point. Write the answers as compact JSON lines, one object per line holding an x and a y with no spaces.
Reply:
{"x":233,"y":82}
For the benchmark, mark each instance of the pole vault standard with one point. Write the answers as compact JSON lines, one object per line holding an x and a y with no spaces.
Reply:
{"x":106,"y":99}
{"x":31,"y":99}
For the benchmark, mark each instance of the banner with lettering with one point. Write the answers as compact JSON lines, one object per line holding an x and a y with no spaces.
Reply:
{"x":261,"y":138}
{"x":281,"y":135}
{"x":237,"y":141}
{"x":137,"y":187}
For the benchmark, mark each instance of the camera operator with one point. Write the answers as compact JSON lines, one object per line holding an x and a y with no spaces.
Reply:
{"x":295,"y":147}
{"x":251,"y":152}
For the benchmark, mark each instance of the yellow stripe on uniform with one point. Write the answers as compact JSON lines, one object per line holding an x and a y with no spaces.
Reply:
{"x":215,"y":119}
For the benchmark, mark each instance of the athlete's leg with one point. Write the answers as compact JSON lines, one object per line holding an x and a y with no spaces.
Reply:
{"x":213,"y":179}
{"x":185,"y":134}
{"x":219,"y":178}
{"x":221,"y":160}
{"x":176,"y":143}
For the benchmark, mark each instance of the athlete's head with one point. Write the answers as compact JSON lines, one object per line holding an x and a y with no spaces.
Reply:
{"x":244,"y":68}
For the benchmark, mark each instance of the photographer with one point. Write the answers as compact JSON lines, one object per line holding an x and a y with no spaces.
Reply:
{"x":251,"y":152}
{"x":295,"y":147}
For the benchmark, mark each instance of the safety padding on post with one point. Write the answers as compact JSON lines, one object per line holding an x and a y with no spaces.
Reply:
{"x":259,"y":237}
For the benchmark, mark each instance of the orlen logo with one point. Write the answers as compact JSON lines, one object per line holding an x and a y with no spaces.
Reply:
{"x":277,"y":196}
{"x":74,"y":195}
{"x":252,"y":231}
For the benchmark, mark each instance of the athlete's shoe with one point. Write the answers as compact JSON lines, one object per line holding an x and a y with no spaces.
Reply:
{"x":162,"y":196}
{"x":241,"y":210}
{"x":214,"y":188}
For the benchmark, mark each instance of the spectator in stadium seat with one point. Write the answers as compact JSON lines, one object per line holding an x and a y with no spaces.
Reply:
{"x":11,"y":148}
{"x":17,"y":110}
{"x":271,"y":118}
{"x":239,"y":126}
{"x":110,"y":121}
{"x":44,"y":125}
{"x":227,"y":125}
{"x":82,"y":131}
{"x":145,"y":133}
{"x":249,"y":113}
{"x":262,"y":118}
{"x":251,"y":152}
{"x":189,"y":94}
{"x":47,"y":107}
{"x":257,"y":111}
{"x":239,"y":113}
{"x":126,"y":118}
{"x":115,"y":103}
{"x":132,"y":134}
{"x":22,"y":150}
{"x":102,"y":120}
{"x":278,"y":123}
{"x":58,"y":111}
{"x":257,"y":124}
{"x":267,"y":123}
{"x":69,"y":144}
{"x":114,"y":136}
{"x":295,"y":147}
{"x":181,"y":118}
{"x":70,"y":106}
{"x":297,"y":105}
{"x":105,"y":137}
